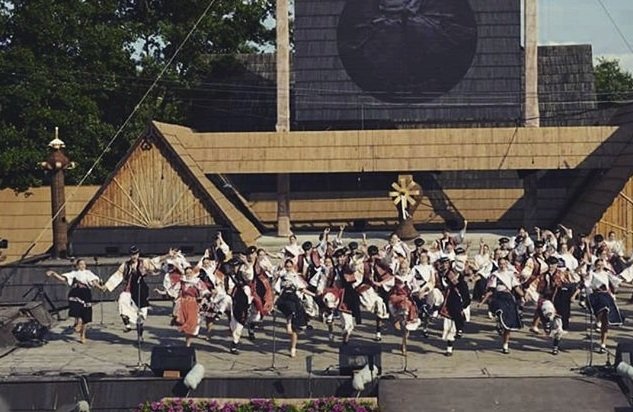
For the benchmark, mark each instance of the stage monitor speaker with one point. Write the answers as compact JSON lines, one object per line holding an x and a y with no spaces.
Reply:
{"x":624,"y":353}
{"x":37,"y":311}
{"x":167,"y":359}
{"x":353,"y":357}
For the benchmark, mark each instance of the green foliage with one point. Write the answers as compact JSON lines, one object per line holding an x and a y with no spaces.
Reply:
{"x":613,"y":84}
{"x":83,"y":66}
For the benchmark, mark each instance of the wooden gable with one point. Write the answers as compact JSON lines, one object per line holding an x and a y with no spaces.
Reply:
{"x":146,"y":191}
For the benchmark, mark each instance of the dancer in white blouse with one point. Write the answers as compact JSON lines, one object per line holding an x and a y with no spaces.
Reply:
{"x":79,"y":298}
{"x":601,"y":285}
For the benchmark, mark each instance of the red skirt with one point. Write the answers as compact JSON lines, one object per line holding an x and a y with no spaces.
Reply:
{"x":187,"y":316}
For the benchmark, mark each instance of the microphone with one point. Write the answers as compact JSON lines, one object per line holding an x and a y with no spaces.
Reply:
{"x":194,"y":377}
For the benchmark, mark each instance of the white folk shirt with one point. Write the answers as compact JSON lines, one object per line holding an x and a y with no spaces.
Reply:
{"x":571,"y":262}
{"x":600,"y":280}
{"x":85,"y":277}
{"x":503,"y":281}
{"x":484,"y":265}
{"x":422,"y":276}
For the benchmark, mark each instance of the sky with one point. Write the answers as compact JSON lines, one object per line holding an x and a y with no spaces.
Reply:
{"x":586,"y":22}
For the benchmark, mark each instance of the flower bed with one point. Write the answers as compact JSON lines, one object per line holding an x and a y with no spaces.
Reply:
{"x":257,"y":405}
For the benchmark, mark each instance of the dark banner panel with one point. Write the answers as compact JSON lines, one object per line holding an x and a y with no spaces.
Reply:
{"x":407,"y":61}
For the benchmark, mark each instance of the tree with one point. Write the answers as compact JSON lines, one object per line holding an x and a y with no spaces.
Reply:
{"x":84,"y":65}
{"x":613,"y":83}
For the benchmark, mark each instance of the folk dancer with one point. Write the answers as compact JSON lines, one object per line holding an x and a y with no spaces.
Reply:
{"x":171,"y":280}
{"x":349,"y":276}
{"x":80,"y":297}
{"x":220,"y":250}
{"x":330,"y":293}
{"x":308,"y":260}
{"x":456,"y":307}
{"x":191,"y":289}
{"x":483,"y":267}
{"x":251,"y":296}
{"x":133,"y":300}
{"x":447,"y":239}
{"x":416,"y":254}
{"x":291,"y":288}
{"x":402,"y":307}
{"x":566,"y":291}
{"x":601,"y":286}
{"x":522,"y":244}
{"x":173,"y":268}
{"x":292,"y":249}
{"x":502,"y":287}
{"x":381,"y":277}
{"x":217,"y":301}
{"x":534,"y":267}
{"x":426,"y":296}
{"x":550,"y":289}
{"x":263,"y":297}
{"x":242,"y":297}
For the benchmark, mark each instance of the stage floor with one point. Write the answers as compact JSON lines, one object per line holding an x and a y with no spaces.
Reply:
{"x":109,"y":351}
{"x":557,"y":394}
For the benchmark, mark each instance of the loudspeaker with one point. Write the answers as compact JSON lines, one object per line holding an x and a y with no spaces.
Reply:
{"x":8,"y":317}
{"x":36,"y":310}
{"x":353,"y":357}
{"x":172,"y":358}
{"x":624,"y":353}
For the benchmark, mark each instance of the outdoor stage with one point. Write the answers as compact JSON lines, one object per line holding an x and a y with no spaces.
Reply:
{"x":104,"y":369}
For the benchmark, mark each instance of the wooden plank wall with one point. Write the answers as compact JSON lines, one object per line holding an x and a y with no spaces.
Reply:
{"x":619,"y":217}
{"x":484,"y":208}
{"x":484,"y":199}
{"x":147,"y":192}
{"x":26,"y":216}
{"x":606,"y":185}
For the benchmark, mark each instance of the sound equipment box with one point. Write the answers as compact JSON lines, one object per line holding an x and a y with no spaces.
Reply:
{"x":8,"y":316}
{"x":353,"y":357}
{"x":624,"y":353}
{"x":36,"y":310}
{"x":172,"y":361}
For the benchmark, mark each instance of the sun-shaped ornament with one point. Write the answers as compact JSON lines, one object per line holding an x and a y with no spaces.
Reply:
{"x":406,"y":196}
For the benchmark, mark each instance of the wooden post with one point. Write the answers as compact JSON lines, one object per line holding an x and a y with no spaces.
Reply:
{"x":531,"y":108}
{"x":57,"y":163}
{"x":283,"y":113}
{"x":530,"y":197}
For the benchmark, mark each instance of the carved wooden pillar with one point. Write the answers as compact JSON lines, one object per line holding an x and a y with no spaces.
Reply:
{"x":57,"y":163}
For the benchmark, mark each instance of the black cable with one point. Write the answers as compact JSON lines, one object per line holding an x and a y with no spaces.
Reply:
{"x":617,"y":27}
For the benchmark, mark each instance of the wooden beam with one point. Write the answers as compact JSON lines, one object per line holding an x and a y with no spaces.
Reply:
{"x":532,"y":113}
{"x":283,"y":112}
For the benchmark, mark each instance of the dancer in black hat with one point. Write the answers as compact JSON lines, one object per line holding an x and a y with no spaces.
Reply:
{"x":133,"y":300}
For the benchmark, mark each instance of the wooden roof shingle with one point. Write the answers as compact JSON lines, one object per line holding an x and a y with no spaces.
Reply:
{"x":26,"y":218}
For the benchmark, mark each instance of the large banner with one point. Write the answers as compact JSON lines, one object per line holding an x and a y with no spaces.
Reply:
{"x":454,"y":62}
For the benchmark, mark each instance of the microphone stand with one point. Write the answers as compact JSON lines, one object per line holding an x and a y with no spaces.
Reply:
{"x":96,"y":259}
{"x":140,"y":366}
{"x":405,"y":352}
{"x":588,"y":369}
{"x":273,"y":368}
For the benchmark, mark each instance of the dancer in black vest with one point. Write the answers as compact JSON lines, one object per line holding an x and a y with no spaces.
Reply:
{"x":133,"y":300}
